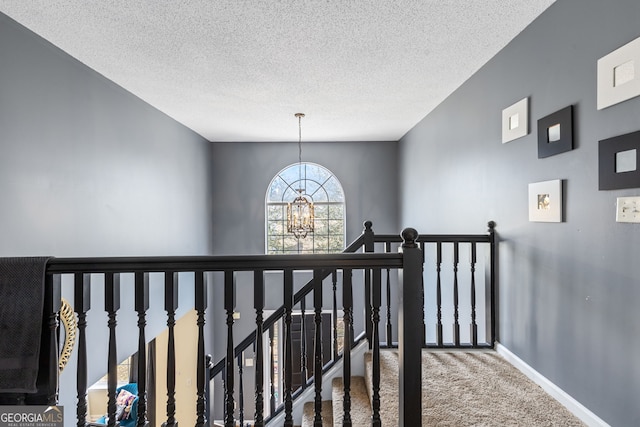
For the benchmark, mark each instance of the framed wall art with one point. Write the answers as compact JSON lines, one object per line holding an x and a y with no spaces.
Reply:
{"x":619,"y":162}
{"x":619,"y":75}
{"x":555,"y":133}
{"x":515,"y":121}
{"x":545,"y":201}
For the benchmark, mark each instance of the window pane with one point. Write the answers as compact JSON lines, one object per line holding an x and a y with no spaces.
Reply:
{"x":321,"y":243}
{"x":318,"y":192}
{"x":290,"y":243}
{"x":321,"y":211}
{"x":321,"y":227}
{"x":336,"y":243}
{"x":290,"y":193}
{"x":336,"y":227}
{"x":312,"y":189}
{"x":276,"y":190}
{"x":317,"y":172}
{"x":291,"y":174}
{"x":334,"y":189}
{"x":276,"y":212}
{"x":336,"y":212}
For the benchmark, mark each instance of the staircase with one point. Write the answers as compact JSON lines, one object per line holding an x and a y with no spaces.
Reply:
{"x":361,"y":396}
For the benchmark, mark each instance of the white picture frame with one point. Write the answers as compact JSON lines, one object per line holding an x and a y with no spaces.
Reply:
{"x":545,"y":201}
{"x":619,"y":75}
{"x":515,"y":121}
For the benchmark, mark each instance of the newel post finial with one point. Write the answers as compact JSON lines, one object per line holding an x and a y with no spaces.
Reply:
{"x":492,"y":226}
{"x":368,"y":234}
{"x":409,"y":238}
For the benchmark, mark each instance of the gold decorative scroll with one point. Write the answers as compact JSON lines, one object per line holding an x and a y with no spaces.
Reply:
{"x":68,"y":318}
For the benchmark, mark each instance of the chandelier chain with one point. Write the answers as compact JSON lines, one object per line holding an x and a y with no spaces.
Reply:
{"x":300,"y":116}
{"x":300,"y":212}
{"x":300,"y":140}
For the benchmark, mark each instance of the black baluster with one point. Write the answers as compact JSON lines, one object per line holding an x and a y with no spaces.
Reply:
{"x":387,"y":249}
{"x":424,"y":323}
{"x":334,"y":314}
{"x":170,"y":306}
{"x":258,"y":301}
{"x":376,"y":299}
{"x":456,"y":324}
{"x":288,"y":353}
{"x":240,"y":390}
{"x":272,"y":376}
{"x":439,"y":294}
{"x":318,"y":363}
{"x":223,"y":375}
{"x":347,"y":302}
{"x":474,"y":326}
{"x":303,"y":340}
{"x":207,"y":375}
{"x":201,"y":307}
{"x":53,"y":303}
{"x":82,"y":304}
{"x":111,"y":306}
{"x":141,"y":306}
{"x":369,"y":246}
{"x":229,"y":305}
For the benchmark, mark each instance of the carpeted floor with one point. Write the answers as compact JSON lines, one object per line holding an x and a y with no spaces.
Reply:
{"x":475,"y":388}
{"x":460,"y":388}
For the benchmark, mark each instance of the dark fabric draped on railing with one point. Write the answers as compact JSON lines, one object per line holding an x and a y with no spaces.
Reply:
{"x":378,"y":285}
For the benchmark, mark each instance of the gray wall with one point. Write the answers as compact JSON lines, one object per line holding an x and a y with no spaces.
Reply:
{"x":241,"y":175}
{"x":242,"y":172}
{"x":87,"y":169}
{"x":569,"y":292}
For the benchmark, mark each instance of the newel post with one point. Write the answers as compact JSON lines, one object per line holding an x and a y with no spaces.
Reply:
{"x":410,"y":337}
{"x":493,"y":241}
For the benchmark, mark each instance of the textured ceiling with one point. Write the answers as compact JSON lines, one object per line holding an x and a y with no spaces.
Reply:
{"x":238,"y":70}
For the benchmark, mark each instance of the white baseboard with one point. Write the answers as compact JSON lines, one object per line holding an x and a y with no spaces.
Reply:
{"x":579,"y":410}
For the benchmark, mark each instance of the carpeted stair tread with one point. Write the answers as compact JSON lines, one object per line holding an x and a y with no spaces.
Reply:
{"x":360,"y":403}
{"x":308,"y":414}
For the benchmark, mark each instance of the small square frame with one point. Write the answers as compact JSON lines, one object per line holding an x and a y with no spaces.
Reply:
{"x":608,"y":149}
{"x":564,"y":120}
{"x":515,"y":121}
{"x":625,"y":59}
{"x":545,"y":201}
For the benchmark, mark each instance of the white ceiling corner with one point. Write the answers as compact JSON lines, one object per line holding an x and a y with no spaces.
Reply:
{"x":238,"y":70}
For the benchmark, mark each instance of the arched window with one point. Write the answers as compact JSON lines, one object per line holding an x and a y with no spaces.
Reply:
{"x":328,"y":199}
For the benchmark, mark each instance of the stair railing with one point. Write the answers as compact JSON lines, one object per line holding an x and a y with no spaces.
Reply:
{"x":279,"y":315}
{"x":410,"y":282}
{"x":84,"y":271}
{"x":373,"y":291}
{"x":434,"y":248}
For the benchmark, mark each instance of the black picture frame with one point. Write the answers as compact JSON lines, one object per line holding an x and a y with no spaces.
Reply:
{"x":608,"y":176}
{"x":548,"y":146}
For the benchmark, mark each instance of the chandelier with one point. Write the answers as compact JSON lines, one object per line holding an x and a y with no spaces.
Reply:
{"x":300,"y":215}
